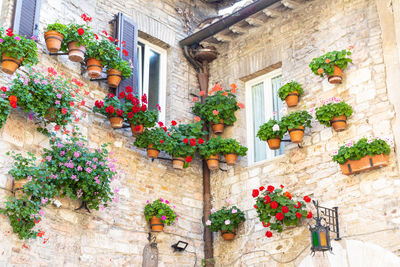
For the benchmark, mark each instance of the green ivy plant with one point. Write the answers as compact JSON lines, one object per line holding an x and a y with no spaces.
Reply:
{"x":104,"y":51}
{"x":19,"y":47}
{"x":110,"y":106}
{"x":136,"y":111}
{"x":213,"y":146}
{"x":276,"y":208}
{"x":80,"y":33}
{"x":123,"y":66}
{"x":297,"y":119}
{"x":334,"y":107}
{"x":325,"y":63}
{"x":271,"y":129}
{"x":231,"y":146}
{"x":5,"y":109}
{"x":288,"y":88}
{"x":364,"y":147}
{"x":155,"y":136}
{"x":161,"y":209}
{"x":225,"y":219}
{"x":58,"y":27}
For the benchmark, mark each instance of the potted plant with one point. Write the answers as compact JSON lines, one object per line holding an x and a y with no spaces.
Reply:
{"x":366,"y":154}
{"x":334,"y":112}
{"x":210,"y":151}
{"x":182,"y":143}
{"x":277,"y":209}
{"x":5,"y":106}
{"x":159,"y":213}
{"x":153,"y":140}
{"x":231,"y":149}
{"x":54,"y":36}
{"x":296,"y":122}
{"x":16,"y":50}
{"x":48,"y":95}
{"x":332,"y":64}
{"x":117,"y":70}
{"x":290,"y":92}
{"x":112,"y":108}
{"x":272,"y":132}
{"x":219,"y":108}
{"x":226,"y":220}
{"x":99,"y":54}
{"x":137,"y":114}
{"x":78,"y":36}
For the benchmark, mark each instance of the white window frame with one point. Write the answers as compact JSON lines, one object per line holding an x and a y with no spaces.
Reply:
{"x":144,"y":84}
{"x":267,"y":79}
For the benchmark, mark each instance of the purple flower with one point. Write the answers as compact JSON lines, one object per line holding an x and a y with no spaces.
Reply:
{"x":95,"y":159}
{"x":59,"y":145}
{"x":30,"y":115}
{"x":88,"y":170}
{"x":48,"y":158}
{"x":79,"y":168}
{"x":41,"y":212}
{"x":166,"y":201}
{"x":163,"y":218}
{"x":77,"y":154}
{"x":62,"y":153}
{"x":34,"y":38}
{"x":17,"y":38}
{"x":147,"y":201}
{"x":1,"y":40}
{"x":161,"y":199}
{"x":29,"y":178}
{"x":44,"y":200}
{"x":59,"y":96}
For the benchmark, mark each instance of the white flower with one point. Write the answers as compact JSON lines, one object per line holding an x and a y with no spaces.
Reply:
{"x":208,"y":222}
{"x":227,"y":222}
{"x":212,"y":210}
{"x":275,"y":128}
{"x":234,"y":211}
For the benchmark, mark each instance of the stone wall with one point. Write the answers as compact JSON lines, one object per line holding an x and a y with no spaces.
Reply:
{"x":368,"y":206}
{"x":116,"y":236}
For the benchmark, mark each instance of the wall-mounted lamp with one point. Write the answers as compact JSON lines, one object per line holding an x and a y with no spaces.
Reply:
{"x":180,"y":246}
{"x":320,"y":239}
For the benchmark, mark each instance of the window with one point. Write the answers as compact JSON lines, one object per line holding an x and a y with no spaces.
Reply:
{"x":263,"y":104}
{"x":152,"y":75}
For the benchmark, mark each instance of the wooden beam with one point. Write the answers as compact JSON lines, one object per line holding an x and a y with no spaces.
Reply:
{"x":237,"y":29}
{"x":290,"y":4}
{"x":272,"y":13}
{"x":255,"y":22}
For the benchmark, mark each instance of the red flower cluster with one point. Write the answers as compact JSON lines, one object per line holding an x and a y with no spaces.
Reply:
{"x":188,"y":159}
{"x":125,"y":52}
{"x":4,"y":89}
{"x":86,"y":18}
{"x":185,"y":140}
{"x":110,"y":109}
{"x":40,"y":234}
{"x":13,"y":101}
{"x":81,"y":31}
{"x":99,"y":104}
{"x":193,"y":142}
{"x":9,"y":32}
{"x":201,"y":141}
{"x":173,"y":123}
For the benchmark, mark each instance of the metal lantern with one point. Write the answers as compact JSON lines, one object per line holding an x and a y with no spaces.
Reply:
{"x":180,"y":246}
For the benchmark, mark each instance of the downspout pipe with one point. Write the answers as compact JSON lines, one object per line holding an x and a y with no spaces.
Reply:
{"x":226,"y":22}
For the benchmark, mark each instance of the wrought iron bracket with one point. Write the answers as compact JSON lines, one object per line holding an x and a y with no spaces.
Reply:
{"x":58,"y":54}
{"x":83,"y":205}
{"x":168,"y":159}
{"x":124,"y":126}
{"x":289,"y":141}
{"x":330,"y":216}
{"x":98,"y":79}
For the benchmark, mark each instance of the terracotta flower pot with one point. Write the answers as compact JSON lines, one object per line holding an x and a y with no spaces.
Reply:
{"x":380,"y":160}
{"x":76,"y":53}
{"x":156,"y":224}
{"x":9,"y":65}
{"x":336,"y":77}
{"x":177,"y":163}
{"x":116,"y":122}
{"x":228,"y":236}
{"x":364,"y":164}
{"x":217,"y":128}
{"x":53,"y":41}
{"x":51,"y":115}
{"x":94,"y":68}
{"x":152,"y":152}
{"x":274,"y":143}
{"x":114,"y":77}
{"x":339,"y":123}
{"x":292,"y":99}
{"x":296,"y":134}
{"x":213,"y":162}
{"x":231,"y":159}
{"x":18,"y":186}
{"x":137,"y":130}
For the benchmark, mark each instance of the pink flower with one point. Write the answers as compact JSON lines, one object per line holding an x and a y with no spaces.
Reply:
{"x":234,"y":211}
{"x":17,"y":38}
{"x":212,"y":210}
{"x":116,"y":190}
{"x":77,"y":154}
{"x":41,"y":212}
{"x":215,"y":112}
{"x":59,"y":96}
{"x":102,"y":207}
{"x":44,"y":200}
{"x":227,"y":222}
{"x":88,"y":170}
{"x":79,"y":168}
{"x":115,"y":199}
{"x":163,"y":218}
{"x":208,"y":222}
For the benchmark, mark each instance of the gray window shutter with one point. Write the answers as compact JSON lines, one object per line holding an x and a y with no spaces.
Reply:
{"x":126,"y":30}
{"x":26,"y":17}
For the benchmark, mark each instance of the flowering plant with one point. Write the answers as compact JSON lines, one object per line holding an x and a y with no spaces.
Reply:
{"x":333,"y":107}
{"x":214,"y":146}
{"x":110,"y":106}
{"x":231,"y":146}
{"x":325,"y":63}
{"x":5,"y":107}
{"x":104,"y":51}
{"x":18,"y":47}
{"x":219,"y":107}
{"x":160,"y":209}
{"x":288,"y":88}
{"x":58,"y":27}
{"x":155,"y":136}
{"x":136,"y":111}
{"x":123,"y":66}
{"x":49,"y":95}
{"x":80,"y":33}
{"x":271,"y":129}
{"x":225,"y":219}
{"x":276,"y":208}
{"x":364,"y":147}
{"x":297,"y":119}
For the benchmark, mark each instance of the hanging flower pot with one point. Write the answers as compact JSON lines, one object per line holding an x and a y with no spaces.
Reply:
{"x":296,"y":134}
{"x":9,"y":65}
{"x":137,"y":129}
{"x":336,"y":77}
{"x":178,"y":162}
{"x":152,"y":152}
{"x":366,"y":163}
{"x":227,"y":235}
{"x":18,"y":186}
{"x":76,"y":53}
{"x":53,"y":41}
{"x":213,"y":162}
{"x":274,"y":143}
{"x":51,"y":115}
{"x":156,"y":224}
{"x":217,"y":128}
{"x":339,"y":123}
{"x":114,"y":77}
{"x":231,"y":159}
{"x":94,"y":68}
{"x":116,"y":122}
{"x":290,"y":92}
{"x":292,"y":99}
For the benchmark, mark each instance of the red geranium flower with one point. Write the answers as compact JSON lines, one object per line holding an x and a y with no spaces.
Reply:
{"x":121,"y":95}
{"x":298,"y":215}
{"x":262,"y":188}
{"x":270,"y":188}
{"x":282,"y":186}
{"x":309,"y":215}
{"x":255,"y":206}
{"x":118,"y":49}
{"x":160,"y":124}
{"x":111,"y":39}
{"x":201,"y":141}
{"x":137,"y":128}
{"x":119,"y":112}
{"x":274,"y":205}
{"x":285,"y":209}
{"x":298,"y":205}
{"x":268,"y":234}
{"x":95,"y":36}
{"x":4,"y":89}
{"x":266,"y":225}
{"x":135,"y":109}
{"x":307,"y":199}
{"x":110,"y":95}
{"x":125,"y":52}
{"x":193,"y":142}
{"x":267,"y":199}
{"x":165,"y":129}
{"x":144,"y":98}
{"x":57,"y":127}
{"x":143,"y":108}
{"x":128,"y":89}
{"x":188,"y":159}
{"x":81,"y":31}
{"x":279,"y":216}
{"x":255,"y":193}
{"x":161,"y":141}
{"x":105,"y":33}
{"x":185,"y":140}
{"x":64,"y":111}
{"x":173,"y":123}
{"x":130,"y":115}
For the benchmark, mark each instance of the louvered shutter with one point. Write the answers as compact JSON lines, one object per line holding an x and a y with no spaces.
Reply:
{"x":126,"y":30}
{"x":26,"y":17}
